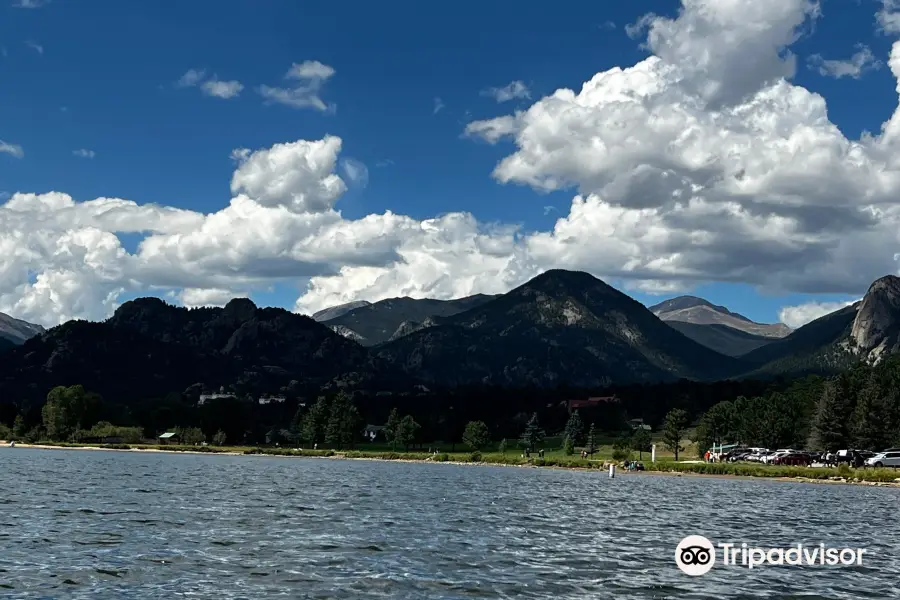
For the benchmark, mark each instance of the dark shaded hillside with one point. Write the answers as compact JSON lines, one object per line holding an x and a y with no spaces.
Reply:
{"x":378,"y":322}
{"x":123,"y":364}
{"x":148,"y":348}
{"x":561,"y":326}
{"x":721,"y":338}
{"x":817,"y":347}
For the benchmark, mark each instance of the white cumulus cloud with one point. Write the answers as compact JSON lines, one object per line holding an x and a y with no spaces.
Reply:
{"x":862,"y":61}
{"x":702,"y":162}
{"x":210,"y":85}
{"x":194,"y":297}
{"x":222,"y":89}
{"x":84,"y":153}
{"x":306,"y":81}
{"x":800,"y":315}
{"x":511,"y":91}
{"x":888,"y":17}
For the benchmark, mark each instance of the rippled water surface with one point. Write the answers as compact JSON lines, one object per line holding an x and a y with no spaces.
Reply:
{"x":80,"y":524}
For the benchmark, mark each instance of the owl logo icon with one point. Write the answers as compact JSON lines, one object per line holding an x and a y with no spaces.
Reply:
{"x":695,"y":555}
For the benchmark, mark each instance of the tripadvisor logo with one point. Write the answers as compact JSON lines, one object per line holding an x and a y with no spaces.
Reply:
{"x":695,"y":555}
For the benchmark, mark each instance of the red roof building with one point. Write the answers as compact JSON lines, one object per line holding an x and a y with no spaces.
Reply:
{"x":591,"y":402}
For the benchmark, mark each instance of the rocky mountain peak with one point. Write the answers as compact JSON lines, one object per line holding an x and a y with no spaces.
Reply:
{"x":697,"y":311}
{"x":333,"y":312}
{"x":15,"y":331}
{"x":685,"y":303}
{"x":242,"y":309}
{"x":876,"y":327}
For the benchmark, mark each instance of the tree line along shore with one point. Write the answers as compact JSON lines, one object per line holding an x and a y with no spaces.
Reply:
{"x":859,"y":408}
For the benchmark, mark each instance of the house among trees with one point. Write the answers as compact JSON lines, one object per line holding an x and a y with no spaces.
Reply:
{"x":204,"y":398}
{"x":372,"y":432}
{"x":267,"y":399}
{"x":592,"y":402}
{"x":170,"y":437}
{"x":638,"y":424}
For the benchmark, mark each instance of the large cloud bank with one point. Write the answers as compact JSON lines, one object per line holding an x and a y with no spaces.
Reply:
{"x":701,"y":163}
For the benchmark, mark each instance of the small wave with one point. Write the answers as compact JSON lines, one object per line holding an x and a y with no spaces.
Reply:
{"x":111,"y":572}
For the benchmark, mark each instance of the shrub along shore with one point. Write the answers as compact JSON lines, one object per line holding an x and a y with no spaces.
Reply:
{"x":841,"y":474}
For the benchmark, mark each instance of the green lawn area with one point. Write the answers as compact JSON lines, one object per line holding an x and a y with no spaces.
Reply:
{"x":552,"y":447}
{"x":552,"y":458}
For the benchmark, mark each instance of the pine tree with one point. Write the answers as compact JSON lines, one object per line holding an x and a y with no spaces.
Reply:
{"x":869,"y":422}
{"x":343,"y":424}
{"x":19,"y":427}
{"x":830,"y":424}
{"x":640,"y":441}
{"x":673,"y":430}
{"x":575,"y":429}
{"x":315,"y":421}
{"x":392,"y":428}
{"x":407,"y":431}
{"x":568,"y":446}
{"x":533,"y":434}
{"x":476,"y":435}
{"x":297,"y":421}
{"x":591,"y":440}
{"x":716,"y":426}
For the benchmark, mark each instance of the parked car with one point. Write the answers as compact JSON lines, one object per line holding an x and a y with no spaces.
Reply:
{"x":884,"y":459}
{"x":769,"y":458}
{"x":756,"y":454}
{"x":797,"y":459}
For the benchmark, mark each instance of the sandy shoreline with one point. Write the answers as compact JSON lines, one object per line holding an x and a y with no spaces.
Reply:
{"x":339,"y":456}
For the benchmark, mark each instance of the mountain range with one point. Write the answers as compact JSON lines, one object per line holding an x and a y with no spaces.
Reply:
{"x":14,"y":332}
{"x":561,"y":327}
{"x":373,"y":324}
{"x":717,"y":327}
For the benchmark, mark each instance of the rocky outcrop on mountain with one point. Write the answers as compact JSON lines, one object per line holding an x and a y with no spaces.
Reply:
{"x":690,"y":309}
{"x":336,"y":311}
{"x":149,"y":348}
{"x":379,"y":322}
{"x":876,"y":329}
{"x":867,"y":330}
{"x":348,"y":333}
{"x":561,"y":327}
{"x":410,"y":327}
{"x":14,"y":332}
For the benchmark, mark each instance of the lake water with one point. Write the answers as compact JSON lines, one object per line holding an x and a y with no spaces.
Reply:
{"x":80,"y":524}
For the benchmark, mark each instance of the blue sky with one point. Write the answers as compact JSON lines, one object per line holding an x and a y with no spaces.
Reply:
{"x":101,"y":75}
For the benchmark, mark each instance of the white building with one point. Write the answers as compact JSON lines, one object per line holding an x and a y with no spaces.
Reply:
{"x":263,"y":400}
{"x":204,"y":398}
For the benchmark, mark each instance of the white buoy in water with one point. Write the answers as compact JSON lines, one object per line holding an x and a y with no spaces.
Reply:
{"x":612,"y":470}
